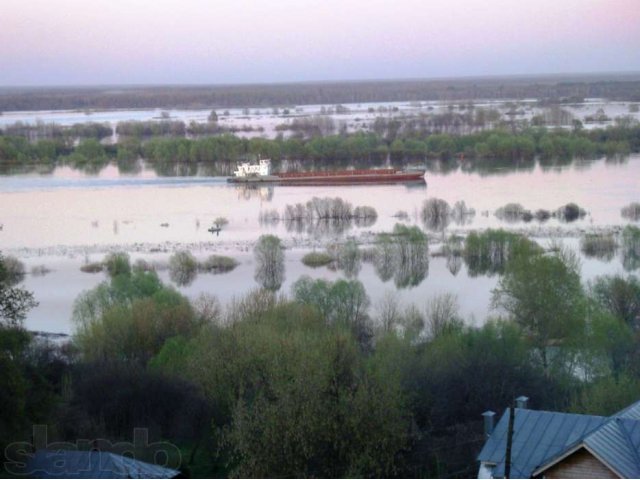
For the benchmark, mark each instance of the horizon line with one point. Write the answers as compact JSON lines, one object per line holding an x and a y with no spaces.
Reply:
{"x":522,"y":76}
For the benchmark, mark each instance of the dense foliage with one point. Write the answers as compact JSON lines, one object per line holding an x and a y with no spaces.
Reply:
{"x":361,"y":149}
{"x":321,"y":383}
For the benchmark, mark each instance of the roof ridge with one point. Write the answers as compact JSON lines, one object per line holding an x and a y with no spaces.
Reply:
{"x":622,"y":412}
{"x":627,"y":437}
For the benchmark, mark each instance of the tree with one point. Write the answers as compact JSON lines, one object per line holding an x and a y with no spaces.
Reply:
{"x":543,"y":294}
{"x":342,"y":302}
{"x":130,"y":317}
{"x":619,"y":296}
{"x":14,"y":302}
{"x":183,"y":267}
{"x":213,"y":116}
{"x":315,"y":409}
{"x":269,"y":262}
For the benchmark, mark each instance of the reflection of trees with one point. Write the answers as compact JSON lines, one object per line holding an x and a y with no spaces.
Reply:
{"x":453,"y":250}
{"x":412,"y":272}
{"x":384,"y":258}
{"x":171,"y":168}
{"x":363,"y":222}
{"x":498,"y":166}
{"x":348,"y":258}
{"x":17,"y":169}
{"x":631,"y":211}
{"x":129,"y":165}
{"x":182,"y":276}
{"x":403,"y":256}
{"x":183,"y":268}
{"x":631,"y":248}
{"x":487,"y":253}
{"x":454,"y":264}
{"x":435,"y":214}
{"x":327,"y":216}
{"x":461,"y":214}
{"x":319,"y":227}
{"x":599,"y":245}
{"x":269,"y":262}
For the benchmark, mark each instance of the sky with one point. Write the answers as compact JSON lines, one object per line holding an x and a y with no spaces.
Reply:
{"x":89,"y":42}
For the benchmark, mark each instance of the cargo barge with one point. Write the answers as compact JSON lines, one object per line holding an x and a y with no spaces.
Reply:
{"x":261,"y":173}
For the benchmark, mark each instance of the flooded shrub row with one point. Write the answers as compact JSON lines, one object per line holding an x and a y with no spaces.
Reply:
{"x":488,"y":252}
{"x":320,"y":216}
{"x":437,"y":214}
{"x":631,"y":211}
{"x":514,"y":212}
{"x":183,"y":266}
{"x":599,"y":245}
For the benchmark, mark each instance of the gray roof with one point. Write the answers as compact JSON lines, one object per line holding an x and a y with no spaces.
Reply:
{"x":617,"y":443}
{"x":91,"y":464}
{"x":541,"y":438}
{"x":537,"y":436}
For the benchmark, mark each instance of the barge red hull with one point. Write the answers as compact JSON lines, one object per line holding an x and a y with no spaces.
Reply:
{"x":388,"y":175}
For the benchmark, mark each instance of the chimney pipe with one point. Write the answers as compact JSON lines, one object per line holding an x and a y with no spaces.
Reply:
{"x":522,"y":402}
{"x":489,"y":418}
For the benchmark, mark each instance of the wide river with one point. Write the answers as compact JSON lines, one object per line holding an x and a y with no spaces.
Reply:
{"x":67,"y":218}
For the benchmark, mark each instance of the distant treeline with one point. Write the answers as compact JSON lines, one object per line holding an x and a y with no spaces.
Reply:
{"x":130,"y":128}
{"x":355,"y":149}
{"x":556,"y":88}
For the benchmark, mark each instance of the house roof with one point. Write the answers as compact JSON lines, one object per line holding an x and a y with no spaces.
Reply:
{"x":92,"y":464}
{"x":541,"y":439}
{"x":537,"y":436}
{"x":616,"y":443}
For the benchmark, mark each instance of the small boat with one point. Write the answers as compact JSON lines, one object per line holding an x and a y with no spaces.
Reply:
{"x":261,"y":173}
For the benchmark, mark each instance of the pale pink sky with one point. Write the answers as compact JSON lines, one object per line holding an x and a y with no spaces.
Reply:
{"x":56,"y":42}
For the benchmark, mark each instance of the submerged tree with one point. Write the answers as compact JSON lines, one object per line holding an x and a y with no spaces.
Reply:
{"x":488,"y":252}
{"x":403,"y":255}
{"x":269,"y":262}
{"x":436,"y":214}
{"x":631,"y":248}
{"x":183,"y":268}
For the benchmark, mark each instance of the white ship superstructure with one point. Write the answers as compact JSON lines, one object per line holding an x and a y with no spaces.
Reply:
{"x":246,"y":169}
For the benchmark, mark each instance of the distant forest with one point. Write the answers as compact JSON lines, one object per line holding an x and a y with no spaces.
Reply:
{"x":551,"y":88}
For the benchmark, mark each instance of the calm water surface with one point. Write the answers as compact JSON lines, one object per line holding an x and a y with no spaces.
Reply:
{"x":66,"y":218}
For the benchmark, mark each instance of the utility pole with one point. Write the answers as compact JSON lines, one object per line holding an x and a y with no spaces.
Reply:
{"x":507,"y":461}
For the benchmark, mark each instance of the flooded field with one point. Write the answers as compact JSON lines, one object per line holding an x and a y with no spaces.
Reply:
{"x":67,"y":219}
{"x":349,"y":117}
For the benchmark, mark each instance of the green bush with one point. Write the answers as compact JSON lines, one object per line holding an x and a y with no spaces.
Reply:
{"x":317,"y":259}
{"x":218,"y":264}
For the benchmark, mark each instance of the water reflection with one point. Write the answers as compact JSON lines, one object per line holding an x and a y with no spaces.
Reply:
{"x":403,"y":256}
{"x":497,"y":166}
{"x":487,"y":253}
{"x":250,"y":192}
{"x":269,"y":258}
{"x":348,"y":258}
{"x":436,"y":214}
{"x":172,"y":168}
{"x":320,"y":227}
{"x":602,"y":246}
{"x":453,"y":249}
{"x":631,"y":248}
{"x":129,"y":166}
{"x":323,"y":216}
